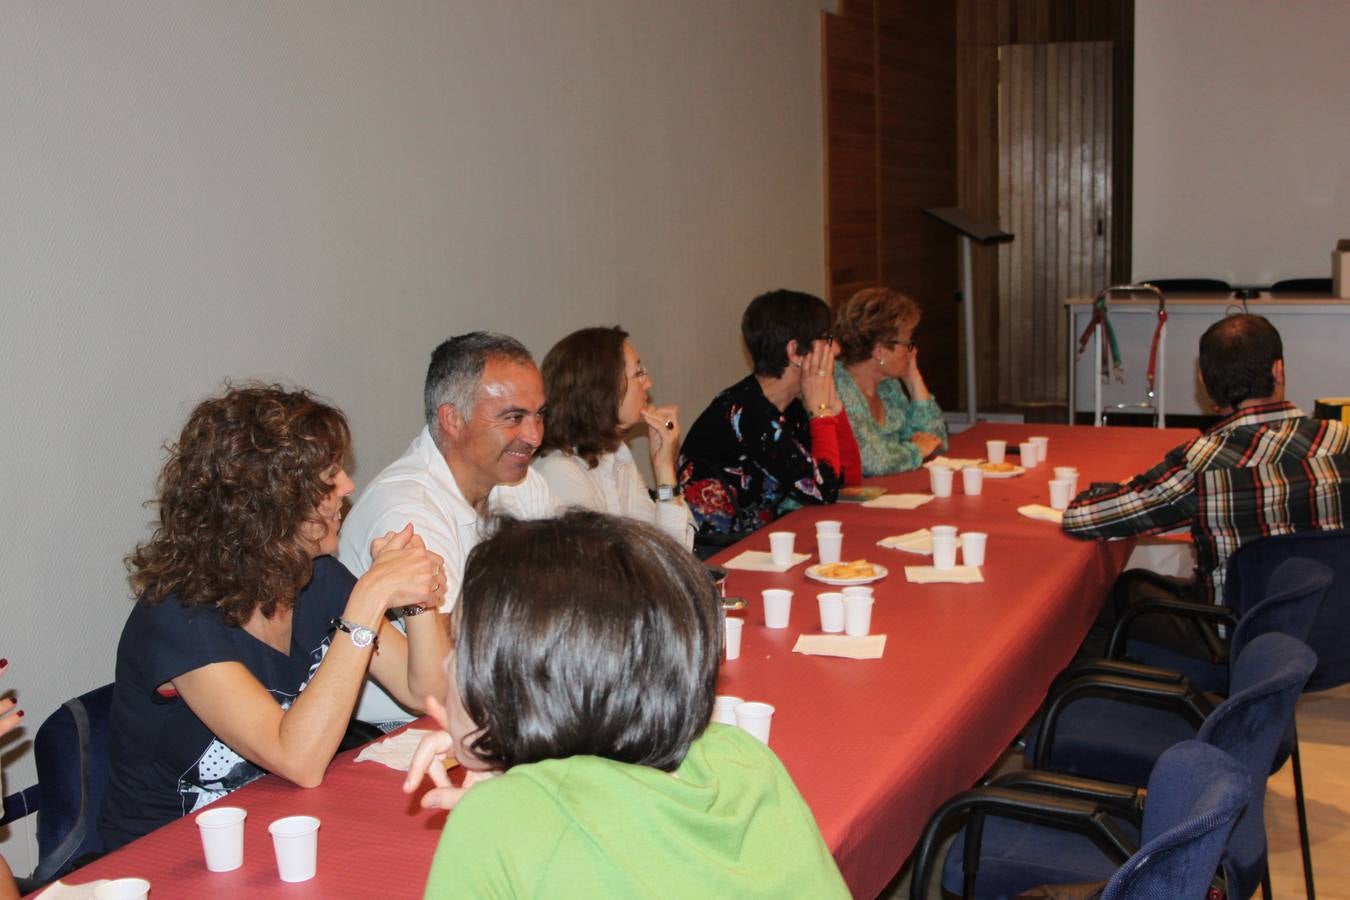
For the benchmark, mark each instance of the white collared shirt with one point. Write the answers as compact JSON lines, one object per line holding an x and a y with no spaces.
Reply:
{"x":614,"y":486}
{"x":418,"y":487}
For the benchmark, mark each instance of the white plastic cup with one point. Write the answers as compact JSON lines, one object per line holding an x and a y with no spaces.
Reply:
{"x":734,"y":628}
{"x":724,"y":708}
{"x":940,"y":480}
{"x":222,"y":831}
{"x":755,"y":718}
{"x":123,"y":889}
{"x":829,"y":546}
{"x":296,"y":841}
{"x":1042,"y":446}
{"x":780,"y":545}
{"x":995,"y":451}
{"x":972,"y":547}
{"x":972,"y":480}
{"x":1030,"y":454}
{"x":857,"y":616}
{"x":831,"y":611}
{"x":944,"y":546}
{"x":858,"y":590}
{"x":1061,"y":492}
{"x":777,"y":607}
{"x":829,"y":526}
{"x":1068,"y":473}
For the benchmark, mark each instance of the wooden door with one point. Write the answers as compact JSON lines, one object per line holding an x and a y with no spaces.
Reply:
{"x":1055,"y":195}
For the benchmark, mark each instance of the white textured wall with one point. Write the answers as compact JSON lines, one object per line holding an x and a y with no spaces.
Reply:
{"x":319,"y":192}
{"x":1242,"y":120}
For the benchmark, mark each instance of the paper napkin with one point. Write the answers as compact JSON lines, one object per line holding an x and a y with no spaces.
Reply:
{"x":955,"y":575}
{"x":869,"y":647}
{"x":920,"y":541}
{"x":951,"y":462}
{"x":1044,"y":513}
{"x":397,"y":752}
{"x":898,"y":501}
{"x":761,"y":561}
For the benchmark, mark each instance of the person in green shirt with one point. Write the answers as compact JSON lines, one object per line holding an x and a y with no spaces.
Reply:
{"x":581,"y":689}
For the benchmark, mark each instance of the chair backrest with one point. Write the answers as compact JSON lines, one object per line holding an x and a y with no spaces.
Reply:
{"x":1267,"y":679}
{"x":1250,"y":577}
{"x":1190,"y":285}
{"x":1297,"y":588}
{"x":1195,"y":794}
{"x":71,"y":753}
{"x":1320,"y":286}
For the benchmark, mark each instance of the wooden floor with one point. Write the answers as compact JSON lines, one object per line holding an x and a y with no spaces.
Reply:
{"x":1324,"y":733}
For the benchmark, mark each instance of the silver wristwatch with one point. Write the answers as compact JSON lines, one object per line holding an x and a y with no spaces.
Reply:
{"x":665,"y":492}
{"x":362,"y":637}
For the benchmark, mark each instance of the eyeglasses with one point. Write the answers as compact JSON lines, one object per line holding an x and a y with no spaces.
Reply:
{"x":638,"y":374}
{"x":827,"y":337}
{"x":908,"y":345}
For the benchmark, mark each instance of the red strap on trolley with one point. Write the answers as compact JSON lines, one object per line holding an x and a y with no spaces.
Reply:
{"x":1153,"y":350}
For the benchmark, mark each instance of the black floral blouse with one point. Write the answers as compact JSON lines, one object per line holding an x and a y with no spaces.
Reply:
{"x":744,"y":463}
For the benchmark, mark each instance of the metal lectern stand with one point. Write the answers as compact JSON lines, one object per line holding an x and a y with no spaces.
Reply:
{"x":970,"y":229}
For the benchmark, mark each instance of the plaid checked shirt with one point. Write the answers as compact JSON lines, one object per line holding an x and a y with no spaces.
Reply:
{"x":1263,"y":470}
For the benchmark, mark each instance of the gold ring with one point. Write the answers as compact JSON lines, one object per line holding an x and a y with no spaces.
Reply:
{"x":820,"y":372}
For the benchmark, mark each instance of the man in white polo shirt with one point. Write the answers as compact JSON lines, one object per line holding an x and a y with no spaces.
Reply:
{"x":484,"y":405}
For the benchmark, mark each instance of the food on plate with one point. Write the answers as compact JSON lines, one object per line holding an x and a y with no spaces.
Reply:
{"x":998,"y":467}
{"x":858,"y":568}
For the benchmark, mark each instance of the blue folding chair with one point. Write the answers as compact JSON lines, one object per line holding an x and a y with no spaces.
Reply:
{"x":1195,"y":795}
{"x":71,"y":752}
{"x":1112,"y":727}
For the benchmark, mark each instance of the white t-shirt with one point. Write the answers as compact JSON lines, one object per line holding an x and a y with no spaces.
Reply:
{"x":418,"y":487}
{"x":614,"y":486}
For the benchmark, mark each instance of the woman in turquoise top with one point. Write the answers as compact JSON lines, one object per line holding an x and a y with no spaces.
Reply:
{"x":896,"y":427}
{"x":581,"y":688}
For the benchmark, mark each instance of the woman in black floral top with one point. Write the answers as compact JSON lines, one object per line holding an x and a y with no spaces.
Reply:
{"x":775,"y":440}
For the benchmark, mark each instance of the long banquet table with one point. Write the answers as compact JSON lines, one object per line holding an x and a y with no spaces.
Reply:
{"x":874,"y":746}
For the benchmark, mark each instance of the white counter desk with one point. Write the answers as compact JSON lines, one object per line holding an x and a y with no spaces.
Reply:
{"x":1315,"y":331}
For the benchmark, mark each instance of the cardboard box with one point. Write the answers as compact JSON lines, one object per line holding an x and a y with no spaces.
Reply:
{"x":1340,"y":269}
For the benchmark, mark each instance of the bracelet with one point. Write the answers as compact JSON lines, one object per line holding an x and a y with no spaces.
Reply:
{"x":407,"y":612}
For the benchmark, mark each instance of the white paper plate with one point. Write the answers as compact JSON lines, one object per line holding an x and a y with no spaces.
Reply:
{"x":814,"y":574}
{"x":1013,"y":473}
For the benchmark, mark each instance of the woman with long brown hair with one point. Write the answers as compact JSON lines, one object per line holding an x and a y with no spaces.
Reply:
{"x":598,"y":390}
{"x":248,"y":642}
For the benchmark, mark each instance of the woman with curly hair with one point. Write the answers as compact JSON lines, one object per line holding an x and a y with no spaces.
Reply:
{"x":896,"y":428}
{"x":597,"y":390}
{"x":249,"y":642}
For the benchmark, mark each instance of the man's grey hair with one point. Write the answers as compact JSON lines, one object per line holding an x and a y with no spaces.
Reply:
{"x":457,"y":368}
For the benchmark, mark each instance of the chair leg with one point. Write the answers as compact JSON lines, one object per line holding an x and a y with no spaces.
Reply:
{"x":1303,"y":841}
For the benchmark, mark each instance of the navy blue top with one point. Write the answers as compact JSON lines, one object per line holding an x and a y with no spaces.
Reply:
{"x":165,"y":762}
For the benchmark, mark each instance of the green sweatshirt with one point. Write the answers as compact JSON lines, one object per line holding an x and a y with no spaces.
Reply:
{"x":728,"y":823}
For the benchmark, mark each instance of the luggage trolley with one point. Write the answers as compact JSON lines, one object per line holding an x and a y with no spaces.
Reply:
{"x":1106,"y":352}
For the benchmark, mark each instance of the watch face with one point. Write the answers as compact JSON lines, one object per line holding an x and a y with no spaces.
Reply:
{"x":362,"y":636}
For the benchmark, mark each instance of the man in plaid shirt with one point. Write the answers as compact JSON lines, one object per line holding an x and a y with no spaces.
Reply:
{"x":1266,"y":468}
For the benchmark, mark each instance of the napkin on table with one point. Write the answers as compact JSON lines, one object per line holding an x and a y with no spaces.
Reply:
{"x":954,"y":575}
{"x":898,"y":501}
{"x":396,"y":752}
{"x":869,"y":647}
{"x":920,"y":541}
{"x":761,"y":561}
{"x":1042,"y":512}
{"x":951,"y":462}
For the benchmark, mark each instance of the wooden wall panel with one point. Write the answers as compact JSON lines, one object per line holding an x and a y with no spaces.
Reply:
{"x":1054,"y":168}
{"x":981,"y":27}
{"x":910,"y":118}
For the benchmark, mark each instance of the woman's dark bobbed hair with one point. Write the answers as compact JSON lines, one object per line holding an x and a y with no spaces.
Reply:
{"x":586,"y":634}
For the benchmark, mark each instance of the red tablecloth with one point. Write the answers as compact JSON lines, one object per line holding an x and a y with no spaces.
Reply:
{"x":874,"y":746}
